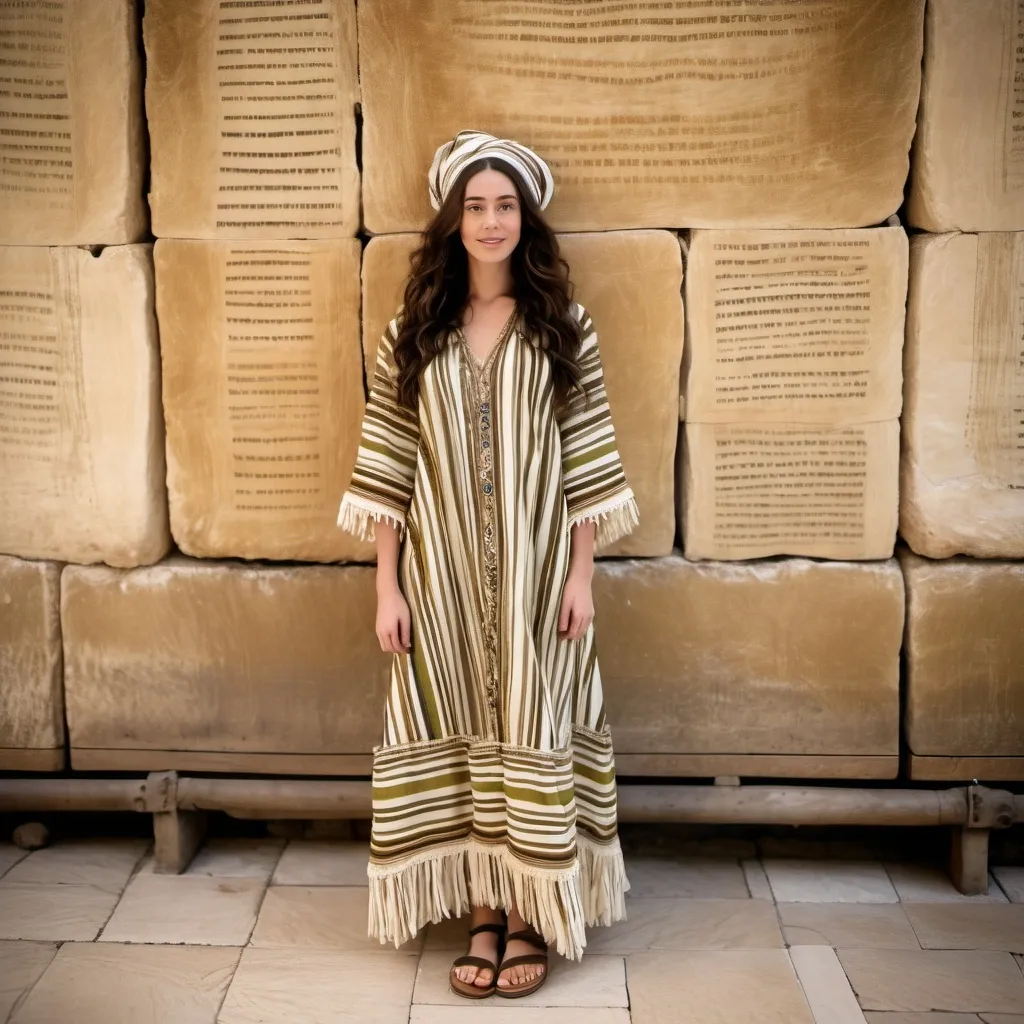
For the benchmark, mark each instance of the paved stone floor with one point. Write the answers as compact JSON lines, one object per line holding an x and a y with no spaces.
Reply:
{"x":269,"y":931}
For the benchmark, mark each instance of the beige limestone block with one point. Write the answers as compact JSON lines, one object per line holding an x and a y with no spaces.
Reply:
{"x":255,"y":659}
{"x":962,"y":465}
{"x":754,"y":658}
{"x":711,"y":115}
{"x":965,"y":657}
{"x":750,"y":490}
{"x":31,"y":683}
{"x":252,"y":119}
{"x":630,"y":282}
{"x":263,"y":395}
{"x":81,"y":435}
{"x":71,"y":122}
{"x":795,"y":326}
{"x":967,"y":169}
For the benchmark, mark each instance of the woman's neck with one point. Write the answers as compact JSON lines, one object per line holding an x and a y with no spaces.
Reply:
{"x":489,"y":281}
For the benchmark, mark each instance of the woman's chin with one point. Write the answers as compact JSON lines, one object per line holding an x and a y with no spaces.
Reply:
{"x":485,"y":254}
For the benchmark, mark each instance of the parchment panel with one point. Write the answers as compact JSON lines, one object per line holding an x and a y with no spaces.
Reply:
{"x":263,"y":395}
{"x":710,"y":113}
{"x":81,"y":435}
{"x":967,"y":169}
{"x":759,"y":658}
{"x":962,"y":464}
{"x":630,"y":282}
{"x":251,"y":108}
{"x":251,"y":658}
{"x":754,"y":490}
{"x":965,"y":657}
{"x":795,"y":326}
{"x":31,"y":685}
{"x":71,"y":129}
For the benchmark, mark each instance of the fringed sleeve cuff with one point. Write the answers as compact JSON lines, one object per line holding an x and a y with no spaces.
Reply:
{"x":359,"y":516}
{"x":615,"y":518}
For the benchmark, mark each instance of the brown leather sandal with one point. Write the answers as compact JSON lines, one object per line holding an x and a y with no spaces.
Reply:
{"x":534,"y":938}
{"x":469,"y":989}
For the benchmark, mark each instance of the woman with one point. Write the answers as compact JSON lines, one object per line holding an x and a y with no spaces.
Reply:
{"x":487,"y":472}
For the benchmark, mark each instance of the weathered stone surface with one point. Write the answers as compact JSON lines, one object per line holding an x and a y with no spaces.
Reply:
{"x":250,"y":659}
{"x":252,"y":119}
{"x":760,"y":658}
{"x":707,"y":117}
{"x":81,"y":436}
{"x":263,"y":395}
{"x":749,"y":490}
{"x":71,"y":123}
{"x":967,"y":170}
{"x":31,"y":697}
{"x":630,"y":282}
{"x":795,"y":326}
{"x":965,"y":657}
{"x":962,"y":465}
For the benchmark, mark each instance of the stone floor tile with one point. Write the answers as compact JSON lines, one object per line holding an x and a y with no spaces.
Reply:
{"x":103,"y":863}
{"x":54,"y":913}
{"x":875,"y":1017}
{"x":319,"y":916}
{"x":1003,"y":1018}
{"x":593,"y":981}
{"x":705,"y":877}
{"x":451,"y":934}
{"x":847,"y":925}
{"x":757,"y":880}
{"x":826,"y":987}
{"x":105,"y":983}
{"x":829,"y":881}
{"x":21,"y":964}
{"x":962,"y":981}
{"x":968,"y":926}
{"x":322,"y":862}
{"x":690,"y":924}
{"x":319,"y":986}
{"x":498,"y":1011}
{"x":193,"y":909}
{"x":9,"y":856}
{"x":237,"y":858}
{"x":1010,"y":879}
{"x":715,"y":987}
{"x":926,"y":883}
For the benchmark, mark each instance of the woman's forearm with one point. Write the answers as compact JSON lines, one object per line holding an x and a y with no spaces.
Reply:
{"x":581,"y":550}
{"x":388,"y":544}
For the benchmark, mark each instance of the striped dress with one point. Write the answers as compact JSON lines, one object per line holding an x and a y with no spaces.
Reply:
{"x":495,"y":779}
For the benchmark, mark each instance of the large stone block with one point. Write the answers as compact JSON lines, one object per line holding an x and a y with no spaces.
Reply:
{"x":252,"y":123}
{"x":714,"y":115}
{"x":72,"y":136}
{"x":31,"y":682}
{"x":760,"y":660}
{"x":225,"y":667}
{"x":81,"y":436}
{"x":630,"y":281}
{"x":749,"y":490}
{"x":967,"y":170}
{"x":965,"y":663}
{"x":263,"y":395}
{"x":795,"y":326}
{"x":962,"y":465}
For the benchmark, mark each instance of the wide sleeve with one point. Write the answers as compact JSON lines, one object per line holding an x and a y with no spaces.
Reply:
{"x":592,"y":475}
{"x":385,"y":469}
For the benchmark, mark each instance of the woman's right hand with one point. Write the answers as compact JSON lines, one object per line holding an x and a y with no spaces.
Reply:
{"x":393,"y":621}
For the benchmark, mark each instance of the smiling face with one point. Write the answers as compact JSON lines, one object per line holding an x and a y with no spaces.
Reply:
{"x":491,"y":217}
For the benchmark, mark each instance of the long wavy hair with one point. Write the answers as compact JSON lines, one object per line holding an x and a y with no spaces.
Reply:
{"x":438,"y":289}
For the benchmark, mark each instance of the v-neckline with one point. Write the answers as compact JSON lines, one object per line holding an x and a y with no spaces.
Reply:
{"x":503,"y":335}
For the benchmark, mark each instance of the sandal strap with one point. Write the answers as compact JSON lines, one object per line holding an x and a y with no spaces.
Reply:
{"x":475,"y":961}
{"x":534,"y":938}
{"x":522,"y":961}
{"x":498,"y":929}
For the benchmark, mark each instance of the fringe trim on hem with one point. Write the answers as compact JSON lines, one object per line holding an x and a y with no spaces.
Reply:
{"x":614,"y":518}
{"x":359,"y":516}
{"x":446,"y":882}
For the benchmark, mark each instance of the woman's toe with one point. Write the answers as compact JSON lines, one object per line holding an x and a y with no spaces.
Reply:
{"x":482,"y":979}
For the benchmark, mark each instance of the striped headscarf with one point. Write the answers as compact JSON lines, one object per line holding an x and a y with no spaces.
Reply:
{"x":452,"y":157}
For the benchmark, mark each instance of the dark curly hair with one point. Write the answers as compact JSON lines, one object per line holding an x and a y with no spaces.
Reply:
{"x":438,"y":289}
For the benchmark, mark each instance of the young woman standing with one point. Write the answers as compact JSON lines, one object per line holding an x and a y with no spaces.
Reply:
{"x":487,"y":471}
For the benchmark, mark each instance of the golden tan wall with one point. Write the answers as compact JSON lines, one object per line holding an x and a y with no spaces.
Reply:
{"x":802,"y":389}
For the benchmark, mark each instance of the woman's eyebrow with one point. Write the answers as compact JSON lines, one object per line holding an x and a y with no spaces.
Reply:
{"x":481,"y":198}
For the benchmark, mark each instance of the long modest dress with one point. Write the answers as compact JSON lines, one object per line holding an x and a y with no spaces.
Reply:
{"x":495,"y":780}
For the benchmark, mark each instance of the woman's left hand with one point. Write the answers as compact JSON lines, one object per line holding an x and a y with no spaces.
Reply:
{"x":577,"y":611}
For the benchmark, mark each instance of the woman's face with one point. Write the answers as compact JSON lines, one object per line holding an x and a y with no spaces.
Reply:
{"x":491,"y":217}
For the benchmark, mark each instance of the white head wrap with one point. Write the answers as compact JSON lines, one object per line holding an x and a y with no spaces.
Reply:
{"x":452,"y":157}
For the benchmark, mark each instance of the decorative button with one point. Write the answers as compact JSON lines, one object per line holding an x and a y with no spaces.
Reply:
{"x":488,"y":488}
{"x":484,"y":406}
{"x":485,"y":443}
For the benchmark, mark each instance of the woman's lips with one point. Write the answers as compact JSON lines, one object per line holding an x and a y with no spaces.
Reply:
{"x":491,"y":241}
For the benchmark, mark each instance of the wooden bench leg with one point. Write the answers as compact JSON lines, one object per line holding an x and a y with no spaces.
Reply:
{"x":968,"y":862}
{"x":177,"y":834}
